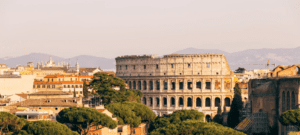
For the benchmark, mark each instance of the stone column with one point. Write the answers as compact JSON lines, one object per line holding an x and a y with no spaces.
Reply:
{"x":203,"y":84}
{"x":147,"y":83}
{"x":222,"y":85}
{"x":194,"y":85}
{"x":160,"y":102}
{"x":168,"y":102}
{"x":154,"y":85}
{"x":194,"y":101}
{"x":176,"y":85}
{"x":184,"y":101}
{"x":169,"y":85}
{"x":185,"y":84}
{"x":212,"y":85}
{"x":161,"y":85}
{"x":176,"y":102}
{"x":153,"y":100}
{"x":222,"y":103}
{"x":212,"y":105}
{"x":203,"y":102}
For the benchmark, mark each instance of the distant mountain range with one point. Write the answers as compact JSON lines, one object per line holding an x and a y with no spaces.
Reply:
{"x":281,"y":56}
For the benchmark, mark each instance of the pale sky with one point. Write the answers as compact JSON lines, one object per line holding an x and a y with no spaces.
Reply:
{"x":110,"y":28}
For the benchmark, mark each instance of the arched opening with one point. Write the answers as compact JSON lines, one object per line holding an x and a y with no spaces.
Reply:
{"x":145,"y":100}
{"x":198,"y":102}
{"x":151,"y":101}
{"x":293,"y":101}
{"x":207,"y":117}
{"x":190,"y":103}
{"x":165,"y":101}
{"x":157,"y":101}
{"x":68,"y":86}
{"x":145,"y":85}
{"x":207,"y":102}
{"x":283,"y":101}
{"x":130,"y":85}
{"x":134,"y":85}
{"x":172,"y":101}
{"x":157,"y":85}
{"x":165,"y":85}
{"x":217,"y":101}
{"x":139,"y":85}
{"x":288,"y":105}
{"x":76,"y":86}
{"x":180,"y":101}
{"x":151,"y":85}
{"x":227,"y":101}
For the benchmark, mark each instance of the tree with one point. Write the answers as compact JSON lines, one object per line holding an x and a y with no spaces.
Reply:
{"x":45,"y":128}
{"x":218,"y":118}
{"x":104,"y":83}
{"x":240,"y":70}
{"x":85,"y":89}
{"x":132,"y":113}
{"x":291,"y":117}
{"x":235,"y":108}
{"x":82,"y":119}
{"x":10,"y":122}
{"x":175,"y":118}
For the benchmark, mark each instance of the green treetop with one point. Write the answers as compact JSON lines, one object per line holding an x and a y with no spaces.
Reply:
{"x":10,"y":122}
{"x":45,"y":128}
{"x":82,"y":119}
{"x":291,"y":117}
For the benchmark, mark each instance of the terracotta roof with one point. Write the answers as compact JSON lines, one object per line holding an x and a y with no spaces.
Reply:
{"x":100,"y":110}
{"x":22,"y":95}
{"x":51,"y":93}
{"x":54,"y":102}
{"x":85,"y":76}
{"x":42,"y":82}
{"x":71,"y":82}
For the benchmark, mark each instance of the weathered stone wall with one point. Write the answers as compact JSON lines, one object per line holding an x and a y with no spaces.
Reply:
{"x":200,"y":80}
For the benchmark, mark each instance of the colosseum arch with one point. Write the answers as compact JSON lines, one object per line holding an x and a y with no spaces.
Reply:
{"x":227,"y":101}
{"x":207,"y":102}
{"x":198,"y":102}
{"x":165,"y":84}
{"x":198,"y":84}
{"x":173,"y":84}
{"x":145,"y":100}
{"x":151,"y":101}
{"x":217,"y":101}
{"x":157,"y":85}
{"x":134,"y":85}
{"x":172,"y":101}
{"x":165,"y":101}
{"x":130,"y":87}
{"x":139,"y":85}
{"x":145,"y":85}
{"x":157,"y":101}
{"x":180,"y":101}
{"x":189,"y":84}
{"x":189,"y":102}
{"x":151,"y":85}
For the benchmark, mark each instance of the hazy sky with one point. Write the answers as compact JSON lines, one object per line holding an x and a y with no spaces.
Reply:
{"x":109,"y":28}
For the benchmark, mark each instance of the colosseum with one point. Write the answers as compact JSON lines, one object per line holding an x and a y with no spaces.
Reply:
{"x":179,"y":81}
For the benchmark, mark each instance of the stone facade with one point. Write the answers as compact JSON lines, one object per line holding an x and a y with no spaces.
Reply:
{"x":274,"y":96}
{"x":176,"y":82}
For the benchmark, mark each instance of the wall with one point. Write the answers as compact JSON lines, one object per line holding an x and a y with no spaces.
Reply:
{"x":10,"y":86}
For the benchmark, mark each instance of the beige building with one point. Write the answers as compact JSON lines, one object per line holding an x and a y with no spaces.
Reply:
{"x":175,"y":82}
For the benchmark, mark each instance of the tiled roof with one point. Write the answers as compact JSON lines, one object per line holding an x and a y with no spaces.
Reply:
{"x":50,"y":93}
{"x":42,"y":82}
{"x":71,"y":82}
{"x":85,"y":76}
{"x":54,"y":102}
{"x":22,"y":95}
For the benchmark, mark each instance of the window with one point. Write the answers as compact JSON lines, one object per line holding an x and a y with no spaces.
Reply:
{"x":133,"y":66}
{"x":156,"y":66}
{"x":134,"y":85}
{"x":43,"y":86}
{"x":157,"y":85}
{"x":217,"y":101}
{"x":33,"y":86}
{"x":151,"y":85}
{"x":53,"y":86}
{"x":130,"y":85}
{"x":165,"y":85}
{"x":207,"y":102}
{"x":80,"y":92}
{"x":52,"y":80}
{"x":165,"y":101}
{"x":157,"y":101}
{"x":139,"y":85}
{"x":172,"y":65}
{"x":293,"y":101}
{"x":120,"y":67}
{"x":151,"y":101}
{"x":198,"y":102}
{"x":144,"y":66}
{"x":56,"y":108}
{"x":190,"y":103}
{"x":181,"y":85}
{"x":207,"y":65}
{"x":48,"y":79}
{"x":227,"y":102}
{"x":38,"y":86}
{"x":283,"y":101}
{"x":68,"y":86}
{"x":126,"y":67}
{"x":189,"y":65}
{"x":207,"y":86}
{"x":180,"y":101}
{"x":173,"y":86}
{"x":145,"y":100}
{"x":120,"y":129}
{"x":198,"y":84}
{"x":172,"y":101}
{"x":48,"y":86}
{"x":145,"y":85}
{"x":288,"y":107}
{"x":190,"y":85}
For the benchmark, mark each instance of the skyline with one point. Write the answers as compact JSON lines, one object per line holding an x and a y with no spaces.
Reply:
{"x":114,"y":28}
